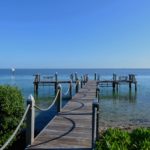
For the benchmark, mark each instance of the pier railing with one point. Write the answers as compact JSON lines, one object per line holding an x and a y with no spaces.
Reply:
{"x":29,"y":116}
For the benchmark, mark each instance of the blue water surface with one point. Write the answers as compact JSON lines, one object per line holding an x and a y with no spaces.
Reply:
{"x":123,"y":108}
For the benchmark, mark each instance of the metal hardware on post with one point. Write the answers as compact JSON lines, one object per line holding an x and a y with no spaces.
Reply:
{"x":30,"y":121}
{"x":59,"y":98}
{"x":95,"y":121}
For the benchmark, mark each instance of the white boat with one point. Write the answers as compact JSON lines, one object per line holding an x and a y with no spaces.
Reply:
{"x":13,"y":69}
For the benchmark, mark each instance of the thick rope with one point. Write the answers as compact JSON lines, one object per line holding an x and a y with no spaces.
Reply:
{"x":46,"y":109}
{"x":66,"y":93}
{"x":15,"y":132}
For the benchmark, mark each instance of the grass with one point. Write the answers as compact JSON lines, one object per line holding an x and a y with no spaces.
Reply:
{"x":117,"y":139}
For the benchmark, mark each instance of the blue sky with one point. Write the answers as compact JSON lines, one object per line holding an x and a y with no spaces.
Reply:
{"x":75,"y":33}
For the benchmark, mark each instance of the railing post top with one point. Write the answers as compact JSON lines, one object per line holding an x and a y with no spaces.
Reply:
{"x":30,"y":100}
{"x":59,"y":86}
{"x":96,"y":103}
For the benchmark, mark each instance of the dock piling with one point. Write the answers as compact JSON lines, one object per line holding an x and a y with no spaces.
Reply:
{"x":77,"y":86}
{"x":95,"y":76}
{"x":59,"y":98}
{"x":76,"y":76}
{"x":30,"y":121}
{"x":70,"y":90}
{"x":95,"y":121}
{"x":56,"y":82}
{"x":97,"y":92}
{"x":36,"y":83}
{"x":81,"y":82}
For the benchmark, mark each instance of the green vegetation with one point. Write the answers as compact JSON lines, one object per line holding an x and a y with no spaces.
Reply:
{"x":117,"y":139}
{"x":11,"y":111}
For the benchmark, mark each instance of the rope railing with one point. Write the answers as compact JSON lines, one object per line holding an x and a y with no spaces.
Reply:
{"x":67,"y":92}
{"x":16,"y":130}
{"x":51,"y":105}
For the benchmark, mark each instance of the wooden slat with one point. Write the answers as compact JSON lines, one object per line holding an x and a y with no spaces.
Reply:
{"x":72,"y":127}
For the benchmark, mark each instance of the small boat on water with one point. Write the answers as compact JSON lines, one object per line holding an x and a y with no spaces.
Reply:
{"x":13,"y":69}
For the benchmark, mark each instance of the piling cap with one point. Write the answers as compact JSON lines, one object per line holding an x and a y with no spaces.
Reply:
{"x":95,"y":103}
{"x":30,"y":99}
{"x":59,"y":86}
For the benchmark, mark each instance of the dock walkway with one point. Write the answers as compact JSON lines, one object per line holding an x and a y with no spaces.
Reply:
{"x":72,"y":127}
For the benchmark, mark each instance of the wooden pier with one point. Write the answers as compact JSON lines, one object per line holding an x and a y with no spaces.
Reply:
{"x":53,"y":81}
{"x":115,"y":82}
{"x":73,"y":127}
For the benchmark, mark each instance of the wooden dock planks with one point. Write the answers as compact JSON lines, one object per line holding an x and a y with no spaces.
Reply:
{"x":72,"y":127}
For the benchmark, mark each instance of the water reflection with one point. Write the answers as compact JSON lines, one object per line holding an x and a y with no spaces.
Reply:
{"x":114,"y":95}
{"x":13,"y":80}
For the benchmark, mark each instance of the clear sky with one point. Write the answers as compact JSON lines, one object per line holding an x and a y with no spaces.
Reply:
{"x":75,"y":33}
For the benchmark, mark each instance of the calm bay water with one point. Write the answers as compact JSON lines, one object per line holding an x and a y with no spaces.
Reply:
{"x":123,"y":108}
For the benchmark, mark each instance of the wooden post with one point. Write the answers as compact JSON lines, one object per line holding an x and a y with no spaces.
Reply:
{"x":36,"y":83}
{"x":71,"y":77}
{"x":36,"y":87}
{"x":59,"y":98}
{"x":76,"y":76}
{"x":98,"y":78}
{"x":114,"y":77}
{"x":30,"y":120}
{"x":77,"y":86}
{"x":87,"y":78}
{"x":70,"y":90}
{"x":135,"y":86}
{"x":56,"y":77}
{"x":130,"y":86}
{"x":114,"y":81}
{"x":97,"y":92}
{"x":56,"y":82}
{"x":95,"y":76}
{"x":95,"y":121}
{"x":81,"y":82}
{"x":114,"y":85}
{"x":117,"y":84}
{"x":84,"y":79}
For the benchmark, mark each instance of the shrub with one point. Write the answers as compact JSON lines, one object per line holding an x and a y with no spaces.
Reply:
{"x":11,"y":111}
{"x":116,"y":139}
{"x":140,"y":138}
